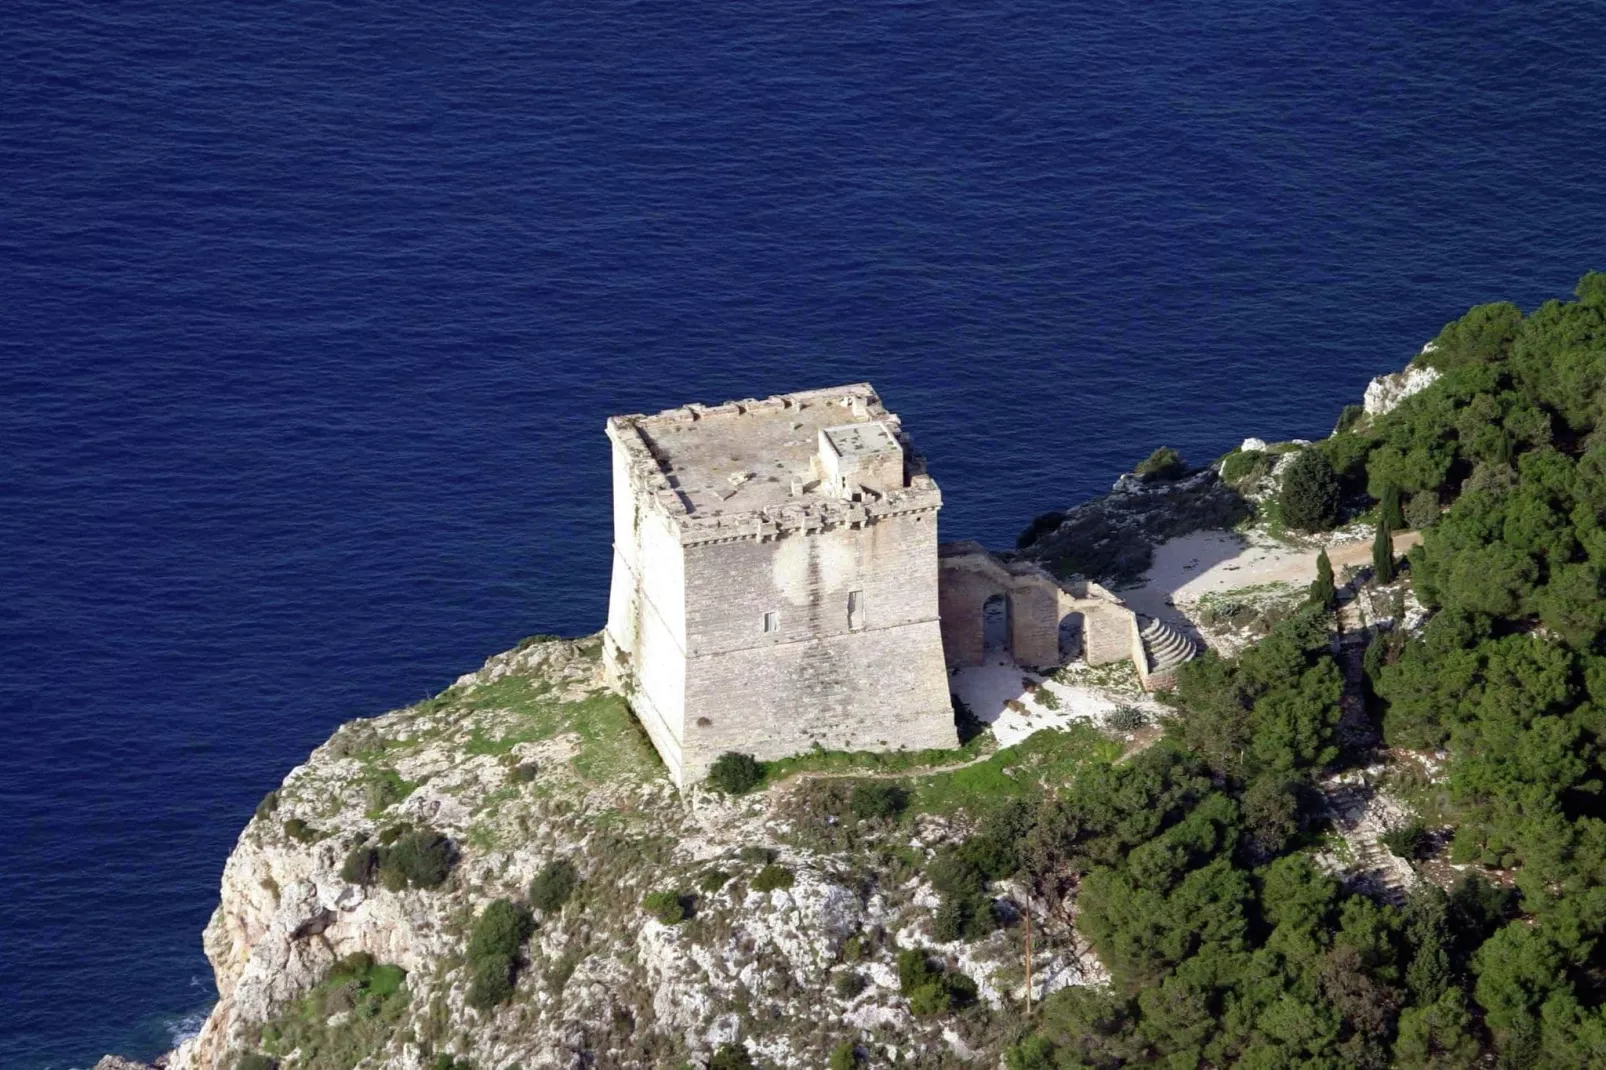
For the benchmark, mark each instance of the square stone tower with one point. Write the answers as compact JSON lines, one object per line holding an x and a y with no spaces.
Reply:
{"x":775,"y":580}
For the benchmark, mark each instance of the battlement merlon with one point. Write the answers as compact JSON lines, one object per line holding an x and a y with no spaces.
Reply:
{"x":763,"y":468}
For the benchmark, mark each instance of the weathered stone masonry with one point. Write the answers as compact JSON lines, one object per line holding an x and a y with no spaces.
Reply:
{"x":775,"y":580}
{"x":777,"y":585}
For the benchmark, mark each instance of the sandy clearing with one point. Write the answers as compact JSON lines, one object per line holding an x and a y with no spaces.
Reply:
{"x":1212,"y":562}
{"x":991,"y":689}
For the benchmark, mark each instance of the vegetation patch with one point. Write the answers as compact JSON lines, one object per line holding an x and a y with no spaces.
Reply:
{"x":493,"y":952}
{"x":346,"y":1017}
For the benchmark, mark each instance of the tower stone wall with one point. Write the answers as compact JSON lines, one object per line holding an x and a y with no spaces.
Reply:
{"x":775,"y":580}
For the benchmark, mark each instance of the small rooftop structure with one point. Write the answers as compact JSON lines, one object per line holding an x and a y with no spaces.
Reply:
{"x":790,"y":462}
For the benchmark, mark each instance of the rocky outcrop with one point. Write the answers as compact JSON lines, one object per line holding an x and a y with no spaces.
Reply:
{"x":527,"y":761}
{"x":1112,"y":538}
{"x":1385,"y":393}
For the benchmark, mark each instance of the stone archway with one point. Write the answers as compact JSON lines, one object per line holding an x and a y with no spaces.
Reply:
{"x":1072,"y":636}
{"x":998,"y":626}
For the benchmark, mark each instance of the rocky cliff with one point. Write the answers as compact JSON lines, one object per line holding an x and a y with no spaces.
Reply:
{"x":328,"y":956}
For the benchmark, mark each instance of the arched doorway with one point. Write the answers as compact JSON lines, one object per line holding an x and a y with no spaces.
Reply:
{"x":996,"y":625}
{"x":1072,"y":636}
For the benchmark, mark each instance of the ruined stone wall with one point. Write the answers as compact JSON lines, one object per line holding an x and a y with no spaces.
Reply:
{"x":874,"y":682}
{"x":969,"y":576}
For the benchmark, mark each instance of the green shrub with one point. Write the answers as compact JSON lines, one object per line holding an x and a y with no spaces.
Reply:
{"x":1127,"y":718}
{"x":500,"y":930}
{"x":525,"y":772}
{"x":1422,"y":510}
{"x":1309,"y":496}
{"x":255,"y":1061}
{"x":929,"y":990}
{"x":300,"y":831}
{"x":421,"y":858}
{"x":844,"y":1057}
{"x":490,"y":981}
{"x":269,"y":803}
{"x":772,"y":878}
{"x":553,"y":886}
{"x":713,"y":880}
{"x":1163,"y":463}
{"x":849,"y":984}
{"x":731,"y":1057}
{"x":1244,"y":467}
{"x":756,"y":856}
{"x":670,"y":908}
{"x":878,"y":798}
{"x":361,"y":865}
{"x":735,"y":774}
{"x":1348,"y":417}
{"x":391,"y":834}
{"x":1033,"y":1053}
{"x":915,"y":969}
{"x":1407,"y":841}
{"x":963,"y":917}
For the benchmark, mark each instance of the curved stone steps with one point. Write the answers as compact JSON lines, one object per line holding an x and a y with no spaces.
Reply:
{"x":1166,"y":645}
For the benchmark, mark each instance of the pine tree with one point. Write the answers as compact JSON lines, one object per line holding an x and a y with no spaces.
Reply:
{"x":1322,"y":591}
{"x":1393,"y":513}
{"x":1383,"y":552}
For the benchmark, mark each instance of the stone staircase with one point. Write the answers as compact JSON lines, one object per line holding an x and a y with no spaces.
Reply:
{"x":1375,"y":870}
{"x":1166,"y":646}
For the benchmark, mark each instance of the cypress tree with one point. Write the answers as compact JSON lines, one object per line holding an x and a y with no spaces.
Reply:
{"x":1393,"y":513}
{"x":1383,"y":552}
{"x":1322,"y":591}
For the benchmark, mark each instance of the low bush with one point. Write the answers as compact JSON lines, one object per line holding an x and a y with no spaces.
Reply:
{"x":670,"y":908}
{"x":772,"y":878}
{"x":361,"y":865}
{"x":300,"y":831}
{"x":735,"y":774}
{"x":963,"y":917}
{"x":493,"y":949}
{"x":423,"y":857}
{"x":1127,"y":718}
{"x":553,"y":886}
{"x":1310,"y":492}
{"x":1163,"y":463}
{"x":525,"y":772}
{"x":269,"y":803}
{"x":490,"y":982}
{"x":500,"y":930}
{"x":850,"y":984}
{"x":731,"y":1057}
{"x":252,"y":1060}
{"x":844,"y":1057}
{"x":756,"y":856}
{"x":1407,"y":841}
{"x":878,"y":798}
{"x":713,"y":880}
{"x":929,"y":989}
{"x":1244,"y":467}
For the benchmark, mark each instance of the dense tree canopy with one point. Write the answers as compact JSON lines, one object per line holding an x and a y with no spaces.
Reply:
{"x":1190,"y":863}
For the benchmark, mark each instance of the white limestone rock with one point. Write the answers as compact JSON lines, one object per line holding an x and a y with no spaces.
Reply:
{"x":604,"y":984}
{"x":1385,"y":393}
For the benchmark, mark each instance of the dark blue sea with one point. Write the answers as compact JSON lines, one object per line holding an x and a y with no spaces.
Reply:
{"x":311,"y":314}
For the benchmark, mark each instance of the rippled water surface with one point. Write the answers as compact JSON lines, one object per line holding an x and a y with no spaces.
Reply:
{"x":310,"y":316}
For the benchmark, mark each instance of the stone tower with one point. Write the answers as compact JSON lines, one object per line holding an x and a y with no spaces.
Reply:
{"x":775,"y":580}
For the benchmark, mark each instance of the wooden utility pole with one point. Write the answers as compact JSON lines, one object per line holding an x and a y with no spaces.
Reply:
{"x":1028,"y":959}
